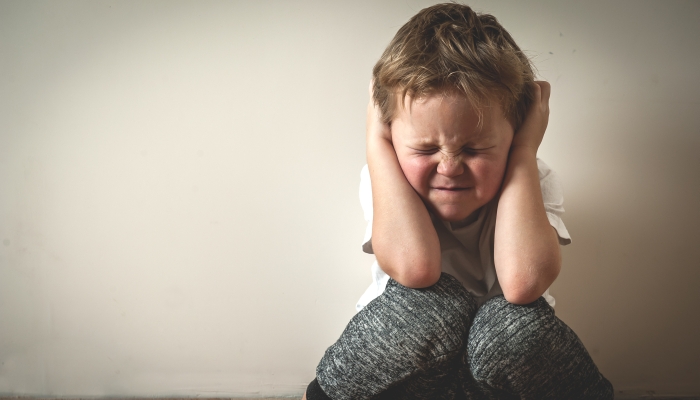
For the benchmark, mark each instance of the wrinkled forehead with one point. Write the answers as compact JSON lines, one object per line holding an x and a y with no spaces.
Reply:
{"x":445,"y":92}
{"x":450,"y":113}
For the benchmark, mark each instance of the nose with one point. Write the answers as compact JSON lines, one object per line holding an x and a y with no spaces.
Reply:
{"x":450,"y":166}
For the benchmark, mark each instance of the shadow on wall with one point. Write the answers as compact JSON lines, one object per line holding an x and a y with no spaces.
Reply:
{"x":635,"y":224}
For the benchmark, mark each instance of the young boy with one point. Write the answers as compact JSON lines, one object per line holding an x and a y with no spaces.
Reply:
{"x":465,"y":226}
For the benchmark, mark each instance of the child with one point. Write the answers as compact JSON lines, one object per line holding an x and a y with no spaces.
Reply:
{"x":465,"y":226}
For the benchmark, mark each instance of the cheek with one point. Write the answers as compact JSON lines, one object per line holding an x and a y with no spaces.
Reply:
{"x":488,"y":174}
{"x":417,"y":171}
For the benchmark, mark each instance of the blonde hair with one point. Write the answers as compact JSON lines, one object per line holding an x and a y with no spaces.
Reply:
{"x":450,"y":47}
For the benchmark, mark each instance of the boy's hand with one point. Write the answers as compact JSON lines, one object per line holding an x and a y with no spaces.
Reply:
{"x":403,"y":237}
{"x":526,"y":247}
{"x":375,"y":127}
{"x":532,"y":130}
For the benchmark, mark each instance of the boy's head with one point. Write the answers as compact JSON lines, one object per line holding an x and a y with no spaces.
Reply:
{"x":454,"y":86}
{"x":448,"y":48}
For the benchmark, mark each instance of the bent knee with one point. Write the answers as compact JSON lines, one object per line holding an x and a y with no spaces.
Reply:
{"x":528,"y":350}
{"x":436,"y":318}
{"x":506,"y":338}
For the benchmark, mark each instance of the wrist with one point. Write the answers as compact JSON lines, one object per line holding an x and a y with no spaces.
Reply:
{"x":523,"y":151}
{"x":378,"y":146}
{"x":374,"y":137}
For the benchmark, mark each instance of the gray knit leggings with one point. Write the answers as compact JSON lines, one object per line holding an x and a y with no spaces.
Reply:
{"x":433,"y":344}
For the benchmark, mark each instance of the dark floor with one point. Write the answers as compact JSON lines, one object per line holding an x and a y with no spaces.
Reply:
{"x":621,"y":396}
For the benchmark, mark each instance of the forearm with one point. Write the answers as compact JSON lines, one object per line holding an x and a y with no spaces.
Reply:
{"x":403,"y":237}
{"x":526,"y":249}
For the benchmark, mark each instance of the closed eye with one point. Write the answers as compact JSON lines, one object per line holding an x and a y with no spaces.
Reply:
{"x":472,"y":150}
{"x":427,"y":151}
{"x":466,"y":150}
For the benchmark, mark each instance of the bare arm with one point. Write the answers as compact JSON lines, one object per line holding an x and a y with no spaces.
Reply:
{"x":403,"y":237}
{"x":526,"y":248}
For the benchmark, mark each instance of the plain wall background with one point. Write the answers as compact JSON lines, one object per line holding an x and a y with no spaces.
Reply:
{"x":178,"y":187}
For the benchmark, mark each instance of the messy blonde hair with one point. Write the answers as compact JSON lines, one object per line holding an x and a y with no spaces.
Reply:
{"x":450,"y":47}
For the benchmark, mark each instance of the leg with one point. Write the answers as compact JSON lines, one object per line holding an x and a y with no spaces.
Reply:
{"x":526,"y":352}
{"x":407,"y":343}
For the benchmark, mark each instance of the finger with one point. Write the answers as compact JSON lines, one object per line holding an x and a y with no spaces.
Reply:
{"x":536,"y":92}
{"x":545,"y":91}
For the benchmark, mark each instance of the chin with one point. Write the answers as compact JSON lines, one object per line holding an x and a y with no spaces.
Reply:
{"x":451,"y":215}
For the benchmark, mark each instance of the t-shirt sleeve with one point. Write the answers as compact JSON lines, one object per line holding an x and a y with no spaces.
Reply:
{"x":366,"y":203}
{"x":553,"y":197}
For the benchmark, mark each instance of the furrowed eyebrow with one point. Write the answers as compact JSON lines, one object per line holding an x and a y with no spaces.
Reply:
{"x":423,"y":145}
{"x":481,"y":141}
{"x":482,"y":136}
{"x":423,"y":140}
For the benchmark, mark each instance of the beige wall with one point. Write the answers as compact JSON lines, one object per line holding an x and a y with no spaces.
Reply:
{"x":178,"y":188}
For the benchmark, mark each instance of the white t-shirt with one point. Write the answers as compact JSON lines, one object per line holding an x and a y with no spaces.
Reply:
{"x":467,"y":251}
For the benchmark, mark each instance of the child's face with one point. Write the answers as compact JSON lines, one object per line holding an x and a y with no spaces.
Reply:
{"x":454,"y":163}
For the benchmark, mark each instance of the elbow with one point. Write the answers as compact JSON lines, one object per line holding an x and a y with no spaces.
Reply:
{"x":521,"y":297}
{"x":526,"y":288}
{"x":419,"y":279}
{"x":416,"y":275}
